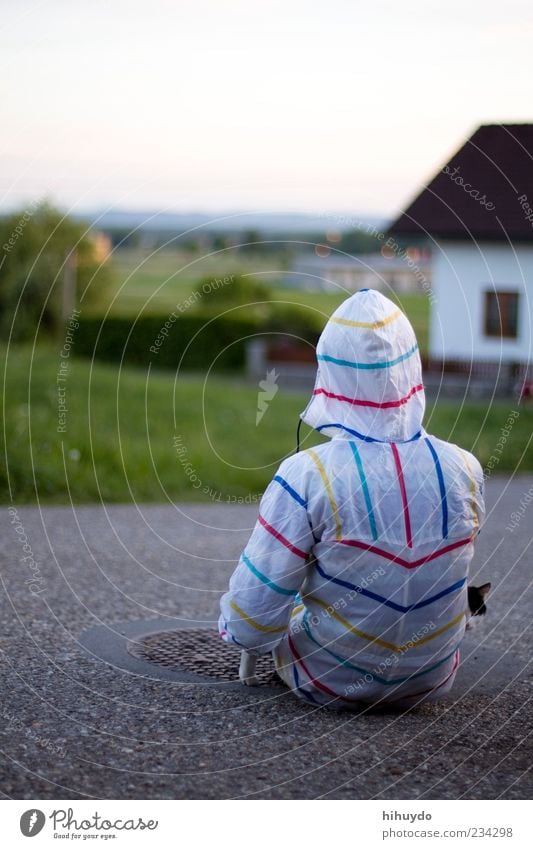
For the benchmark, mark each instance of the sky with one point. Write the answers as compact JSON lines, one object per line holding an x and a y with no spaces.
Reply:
{"x":281,"y":105}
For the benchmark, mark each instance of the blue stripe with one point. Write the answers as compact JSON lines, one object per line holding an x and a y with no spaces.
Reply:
{"x":266,"y":580}
{"x":366,"y":493}
{"x":292,"y":492}
{"x":384,"y":364}
{"x":442,"y":487}
{"x":232,"y":637}
{"x":376,"y":677}
{"x":300,"y":689}
{"x":364,"y":437}
{"x":386,"y":601}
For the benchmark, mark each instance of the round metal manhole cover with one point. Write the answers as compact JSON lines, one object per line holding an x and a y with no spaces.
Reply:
{"x":200,"y":651}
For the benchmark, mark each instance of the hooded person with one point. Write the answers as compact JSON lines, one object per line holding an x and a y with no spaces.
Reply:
{"x":355,"y":575}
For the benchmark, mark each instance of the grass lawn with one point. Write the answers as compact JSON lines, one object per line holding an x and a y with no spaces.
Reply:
{"x":121,"y":434}
{"x":156,"y":284}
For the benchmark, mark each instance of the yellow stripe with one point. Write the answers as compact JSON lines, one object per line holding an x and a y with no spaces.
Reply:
{"x":297,"y":610}
{"x":472,"y":490}
{"x":391,"y":646}
{"x":370,"y":325}
{"x":440,"y":631}
{"x":267,"y":629}
{"x":325,"y":480}
{"x":349,"y":627}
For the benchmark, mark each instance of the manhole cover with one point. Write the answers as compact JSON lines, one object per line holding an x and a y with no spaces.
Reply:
{"x":200,"y":651}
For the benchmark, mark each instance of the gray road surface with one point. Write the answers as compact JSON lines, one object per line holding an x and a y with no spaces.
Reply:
{"x":74,"y":727}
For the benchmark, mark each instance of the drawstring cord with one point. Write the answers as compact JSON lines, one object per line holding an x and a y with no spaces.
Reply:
{"x":298,"y":437}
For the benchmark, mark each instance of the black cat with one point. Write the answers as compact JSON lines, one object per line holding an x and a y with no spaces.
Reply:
{"x":476,"y":602}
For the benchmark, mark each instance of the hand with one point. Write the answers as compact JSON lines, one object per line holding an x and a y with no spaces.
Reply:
{"x":247,"y":670}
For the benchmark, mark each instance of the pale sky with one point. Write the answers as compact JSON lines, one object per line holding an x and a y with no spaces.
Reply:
{"x":234,"y":104}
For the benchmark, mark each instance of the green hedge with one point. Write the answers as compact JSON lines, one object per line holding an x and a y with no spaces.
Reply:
{"x":190,"y":341}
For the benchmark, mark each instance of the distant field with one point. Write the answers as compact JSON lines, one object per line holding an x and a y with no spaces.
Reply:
{"x":128,"y":437}
{"x":156,"y":284}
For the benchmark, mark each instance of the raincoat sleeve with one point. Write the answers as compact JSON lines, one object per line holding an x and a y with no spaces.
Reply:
{"x":474,"y":505}
{"x":256,"y":610}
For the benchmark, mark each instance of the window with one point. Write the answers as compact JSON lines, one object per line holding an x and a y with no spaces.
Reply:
{"x":501,"y":314}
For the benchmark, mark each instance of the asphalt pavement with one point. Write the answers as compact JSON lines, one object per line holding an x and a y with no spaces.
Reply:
{"x":77,"y":726}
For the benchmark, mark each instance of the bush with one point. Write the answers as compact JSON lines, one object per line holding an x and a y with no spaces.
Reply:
{"x":154,"y":339}
{"x":34,"y":245}
{"x":189,"y":341}
{"x":232,"y":290}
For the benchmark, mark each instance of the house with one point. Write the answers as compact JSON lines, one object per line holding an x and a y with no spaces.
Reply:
{"x":476,"y":214}
{"x":336,"y":272}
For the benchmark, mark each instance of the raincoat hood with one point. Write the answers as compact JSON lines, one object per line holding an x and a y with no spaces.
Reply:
{"x":369,"y":377}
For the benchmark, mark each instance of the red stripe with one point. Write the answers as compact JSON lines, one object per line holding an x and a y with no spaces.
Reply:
{"x":395,"y":559}
{"x":401,"y":481}
{"x":282,"y":539}
{"x":327,"y":690}
{"x":383,"y":405}
{"x":433,"y":689}
{"x":316,"y":683}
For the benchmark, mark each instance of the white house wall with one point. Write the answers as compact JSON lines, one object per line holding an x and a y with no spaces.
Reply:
{"x":462,"y":273}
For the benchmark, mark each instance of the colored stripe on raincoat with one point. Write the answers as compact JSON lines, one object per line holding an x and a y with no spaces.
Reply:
{"x":284,"y":541}
{"x":380,"y":405}
{"x":403,"y":491}
{"x":331,"y":497}
{"x":472,"y":489}
{"x":363,"y":437}
{"x":292,"y":492}
{"x":442,"y":487}
{"x":301,"y":689}
{"x":399,"y":607}
{"x":273,"y":586}
{"x":366,"y":493}
{"x":374,"y":639}
{"x":369,"y":325}
{"x":394,"y":558}
{"x":437,"y":687}
{"x":379,"y":364}
{"x":265,"y":629}
{"x":314,"y":681}
{"x":374,"y":675}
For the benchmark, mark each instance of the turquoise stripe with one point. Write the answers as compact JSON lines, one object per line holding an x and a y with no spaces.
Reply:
{"x":266,"y":580}
{"x":386,"y":364}
{"x":366,"y":493}
{"x":377,"y":678}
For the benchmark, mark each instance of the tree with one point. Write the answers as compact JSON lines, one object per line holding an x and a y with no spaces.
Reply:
{"x":232,"y":290}
{"x":34,"y":245}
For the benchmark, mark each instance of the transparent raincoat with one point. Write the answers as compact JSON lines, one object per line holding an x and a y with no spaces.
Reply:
{"x":355,"y":575}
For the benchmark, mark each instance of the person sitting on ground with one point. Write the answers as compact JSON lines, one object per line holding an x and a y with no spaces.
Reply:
{"x":355,"y":575}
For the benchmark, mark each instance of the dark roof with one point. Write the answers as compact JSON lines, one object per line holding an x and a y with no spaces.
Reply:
{"x":496,"y":166}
